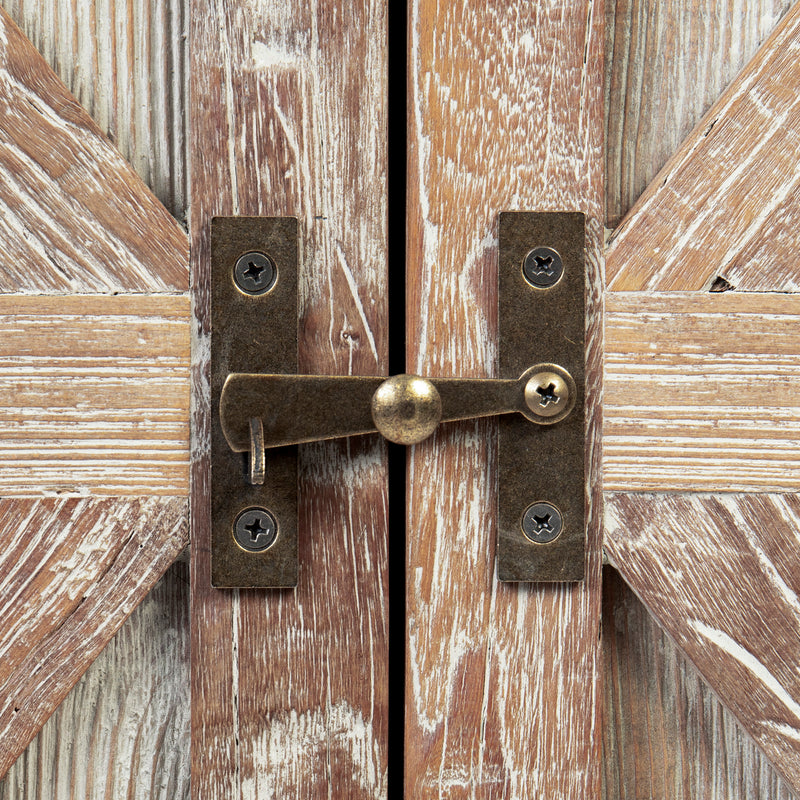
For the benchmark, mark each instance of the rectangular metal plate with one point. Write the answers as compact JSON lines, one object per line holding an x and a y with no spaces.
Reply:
{"x":542,"y":463}
{"x":252,"y":333}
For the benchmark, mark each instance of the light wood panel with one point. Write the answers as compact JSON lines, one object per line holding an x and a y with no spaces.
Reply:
{"x":716,"y":200}
{"x":73,"y":569}
{"x":666,"y":63}
{"x":94,"y":395}
{"x":75,"y":216}
{"x":720,"y":574}
{"x":702,"y":392}
{"x":665,"y":735}
{"x":505,"y":114}
{"x":125,"y":63}
{"x":289,"y":117}
{"x":123,"y":731}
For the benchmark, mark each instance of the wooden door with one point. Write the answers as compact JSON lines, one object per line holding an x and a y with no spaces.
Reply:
{"x":294,"y":112}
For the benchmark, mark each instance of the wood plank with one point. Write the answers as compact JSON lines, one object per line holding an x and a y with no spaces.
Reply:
{"x":72,"y":569}
{"x":666,"y":63}
{"x":289,"y":117}
{"x":125,"y":63}
{"x":502,"y":683}
{"x":75,"y":216}
{"x":665,"y":734}
{"x":719,"y":572}
{"x":123,"y":731}
{"x":702,"y":392}
{"x":94,"y":397}
{"x":718,"y":197}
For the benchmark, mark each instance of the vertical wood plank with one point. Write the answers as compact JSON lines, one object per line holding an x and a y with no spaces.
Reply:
{"x":289,"y":688}
{"x":505,"y":107}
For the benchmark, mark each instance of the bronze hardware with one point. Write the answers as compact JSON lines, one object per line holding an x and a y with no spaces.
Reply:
{"x":405,"y":408}
{"x":259,"y":403}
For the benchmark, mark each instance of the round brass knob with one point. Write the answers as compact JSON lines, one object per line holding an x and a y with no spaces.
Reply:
{"x":406,"y":409}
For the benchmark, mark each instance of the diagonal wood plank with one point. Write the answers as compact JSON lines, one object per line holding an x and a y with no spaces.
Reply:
{"x":725,"y":204}
{"x":95,"y":397}
{"x":720,"y":573}
{"x":505,"y":105}
{"x":701,"y":392}
{"x":75,"y":216}
{"x":289,"y":117}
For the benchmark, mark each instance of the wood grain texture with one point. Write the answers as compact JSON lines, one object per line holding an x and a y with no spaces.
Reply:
{"x":502,"y":683}
{"x":74,"y":217}
{"x":665,"y":734}
{"x":719,"y":572}
{"x":94,"y":396}
{"x":718,"y":197}
{"x":289,"y":117}
{"x":73,"y":570}
{"x":125,"y":63}
{"x":123,"y":731}
{"x":666,"y":63}
{"x":702,"y":392}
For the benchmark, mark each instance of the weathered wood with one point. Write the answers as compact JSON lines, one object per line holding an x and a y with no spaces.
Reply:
{"x":702,"y":392}
{"x":666,"y":63}
{"x":123,"y":731}
{"x":74,"y":217}
{"x":502,"y":682}
{"x":125,"y":62}
{"x":665,"y":735}
{"x":72,"y":571}
{"x":289,"y":117}
{"x":94,"y":395}
{"x":717,"y":199}
{"x":719,"y":572}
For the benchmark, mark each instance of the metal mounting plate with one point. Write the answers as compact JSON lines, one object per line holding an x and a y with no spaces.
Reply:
{"x":252,"y":333}
{"x":542,"y":464}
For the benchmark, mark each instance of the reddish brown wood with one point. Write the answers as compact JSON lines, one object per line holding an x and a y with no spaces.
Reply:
{"x":719,"y":572}
{"x":289,"y":688}
{"x":505,"y":114}
{"x":75,"y":216}
{"x":73,"y":570}
{"x":713,"y":208}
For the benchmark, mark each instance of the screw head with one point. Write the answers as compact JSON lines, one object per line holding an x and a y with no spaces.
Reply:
{"x":549,"y":393}
{"x":542,"y":267}
{"x":255,"y":273}
{"x":255,"y":530}
{"x":542,"y":523}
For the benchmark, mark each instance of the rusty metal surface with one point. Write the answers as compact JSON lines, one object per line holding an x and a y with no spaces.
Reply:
{"x":252,"y":333}
{"x":542,"y":464}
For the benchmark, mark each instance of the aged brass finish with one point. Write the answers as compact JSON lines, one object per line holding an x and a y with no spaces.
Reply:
{"x":542,"y":463}
{"x":253,"y":331}
{"x":405,"y":408}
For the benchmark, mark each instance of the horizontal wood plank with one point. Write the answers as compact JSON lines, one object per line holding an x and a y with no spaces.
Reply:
{"x":665,"y":734}
{"x":74,"y":215}
{"x":72,"y":571}
{"x":94,"y":395}
{"x":717,"y":200}
{"x":719,"y":572}
{"x":702,"y":392}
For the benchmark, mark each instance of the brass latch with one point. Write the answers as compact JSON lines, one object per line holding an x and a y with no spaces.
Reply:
{"x":260,"y":404}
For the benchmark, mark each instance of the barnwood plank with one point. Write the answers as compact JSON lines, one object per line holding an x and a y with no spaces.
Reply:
{"x":74,"y":217}
{"x":125,"y":63}
{"x":665,"y":734}
{"x":289,"y":689}
{"x":719,"y":572}
{"x":714,"y":205}
{"x":702,"y":392}
{"x":80,"y":393}
{"x":666,"y":64}
{"x":505,"y":106}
